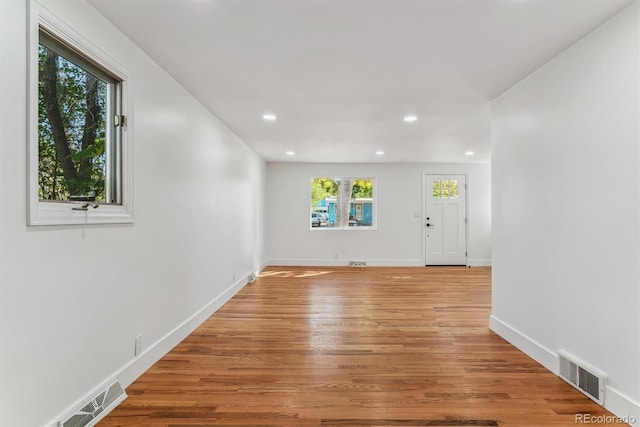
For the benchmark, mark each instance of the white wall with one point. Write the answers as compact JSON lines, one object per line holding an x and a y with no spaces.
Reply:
{"x":398,"y":237}
{"x":565,"y":172}
{"x":72,"y":299}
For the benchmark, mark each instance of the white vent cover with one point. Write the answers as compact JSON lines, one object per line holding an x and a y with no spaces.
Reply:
{"x":97,"y":407}
{"x":586,"y":379}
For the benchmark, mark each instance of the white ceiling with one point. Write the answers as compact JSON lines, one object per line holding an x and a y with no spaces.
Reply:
{"x":341,"y":74}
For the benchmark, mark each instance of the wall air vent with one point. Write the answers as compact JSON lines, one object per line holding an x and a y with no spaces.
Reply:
{"x":97,"y":407}
{"x":357,"y":263}
{"x":586,"y":379}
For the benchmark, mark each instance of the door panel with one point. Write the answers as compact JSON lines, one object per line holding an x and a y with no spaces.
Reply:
{"x":451,"y":229}
{"x":445,"y":220}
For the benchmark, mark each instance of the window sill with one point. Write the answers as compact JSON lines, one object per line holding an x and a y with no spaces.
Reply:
{"x":363,"y":228}
{"x":52,"y":213}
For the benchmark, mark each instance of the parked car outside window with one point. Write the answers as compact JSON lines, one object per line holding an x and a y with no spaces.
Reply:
{"x":315,"y":219}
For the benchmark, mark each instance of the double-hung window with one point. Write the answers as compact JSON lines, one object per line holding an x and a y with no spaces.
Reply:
{"x":78,"y":130}
{"x":343,"y":203}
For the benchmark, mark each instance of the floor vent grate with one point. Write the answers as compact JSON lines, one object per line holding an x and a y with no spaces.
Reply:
{"x":586,"y":379}
{"x":97,"y":407}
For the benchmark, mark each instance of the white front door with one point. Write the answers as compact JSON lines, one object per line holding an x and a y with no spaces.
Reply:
{"x":445,"y":220}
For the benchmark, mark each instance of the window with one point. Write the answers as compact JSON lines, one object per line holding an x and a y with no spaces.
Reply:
{"x":77,"y":136}
{"x":445,"y":189}
{"x":78,"y":130}
{"x":342,"y":203}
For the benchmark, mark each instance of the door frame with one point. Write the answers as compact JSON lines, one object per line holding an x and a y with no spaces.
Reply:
{"x":424,"y":214}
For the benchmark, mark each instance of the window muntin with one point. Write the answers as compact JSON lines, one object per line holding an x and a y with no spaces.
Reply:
{"x":342,"y":203}
{"x":77,"y":134}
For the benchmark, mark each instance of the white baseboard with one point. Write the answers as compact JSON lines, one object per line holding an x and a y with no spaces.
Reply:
{"x":157,"y":350}
{"x":262,"y":265}
{"x":623,"y":406}
{"x":616,"y":402}
{"x":479,"y":263}
{"x":136,"y":367}
{"x":370,"y":262}
{"x":345,"y":262}
{"x":529,"y":346}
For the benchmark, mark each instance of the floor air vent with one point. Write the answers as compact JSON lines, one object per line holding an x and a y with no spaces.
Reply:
{"x":97,"y":408}
{"x":586,"y":379}
{"x":357,"y":263}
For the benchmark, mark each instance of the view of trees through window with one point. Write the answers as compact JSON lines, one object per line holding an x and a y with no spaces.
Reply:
{"x":72,"y":131}
{"x":342,"y":202}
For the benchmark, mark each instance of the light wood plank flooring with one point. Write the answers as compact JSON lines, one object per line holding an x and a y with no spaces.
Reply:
{"x":352,"y":347}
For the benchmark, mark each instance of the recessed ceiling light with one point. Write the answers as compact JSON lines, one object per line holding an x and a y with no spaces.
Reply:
{"x":410,"y":118}
{"x":290,"y":153}
{"x":380,"y":153}
{"x":469,"y":153}
{"x":269,"y":116}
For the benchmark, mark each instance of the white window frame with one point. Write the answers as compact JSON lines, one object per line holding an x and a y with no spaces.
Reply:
{"x":374,"y":202}
{"x":63,"y":212}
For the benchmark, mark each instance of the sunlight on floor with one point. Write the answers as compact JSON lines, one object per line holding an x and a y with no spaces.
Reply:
{"x":308,"y":273}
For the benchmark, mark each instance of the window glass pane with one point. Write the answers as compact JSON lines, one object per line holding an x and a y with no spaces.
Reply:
{"x":72,"y":132}
{"x":454,"y":189}
{"x":445,"y":189}
{"x":361,"y":203}
{"x":324,"y":198}
{"x":342,"y":202}
{"x":437,"y":192}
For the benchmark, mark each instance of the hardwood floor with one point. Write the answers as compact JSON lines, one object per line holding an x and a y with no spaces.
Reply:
{"x":352,"y":347}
